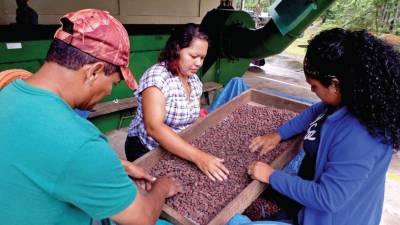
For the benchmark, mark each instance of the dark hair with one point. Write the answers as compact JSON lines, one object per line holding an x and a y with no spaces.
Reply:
{"x":72,"y":58}
{"x":368,"y":71}
{"x":179,"y":39}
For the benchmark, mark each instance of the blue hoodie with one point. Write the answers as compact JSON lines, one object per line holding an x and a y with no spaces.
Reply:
{"x":349,"y":182}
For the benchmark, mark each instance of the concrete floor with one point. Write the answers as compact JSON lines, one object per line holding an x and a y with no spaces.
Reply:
{"x":283,"y":75}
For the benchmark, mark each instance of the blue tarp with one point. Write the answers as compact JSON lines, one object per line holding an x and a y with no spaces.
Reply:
{"x":232,"y":89}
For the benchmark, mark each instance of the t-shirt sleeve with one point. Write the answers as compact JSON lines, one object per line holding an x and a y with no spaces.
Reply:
{"x":154,"y":77}
{"x":94,"y":181}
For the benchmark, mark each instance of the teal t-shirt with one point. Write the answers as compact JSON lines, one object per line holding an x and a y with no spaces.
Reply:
{"x":55,"y":167}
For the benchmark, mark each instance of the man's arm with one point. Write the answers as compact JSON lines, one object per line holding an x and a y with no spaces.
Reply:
{"x":94,"y":181}
{"x":142,"y":178}
{"x":146,"y":208}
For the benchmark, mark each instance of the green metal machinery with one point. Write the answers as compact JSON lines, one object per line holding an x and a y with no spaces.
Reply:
{"x":234,"y":43}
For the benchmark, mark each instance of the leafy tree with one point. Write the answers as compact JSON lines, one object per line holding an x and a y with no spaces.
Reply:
{"x":257,"y":6}
{"x":373,"y":15}
{"x":381,"y":16}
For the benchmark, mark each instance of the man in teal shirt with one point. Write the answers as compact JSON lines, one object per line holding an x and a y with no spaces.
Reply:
{"x":56,"y":167}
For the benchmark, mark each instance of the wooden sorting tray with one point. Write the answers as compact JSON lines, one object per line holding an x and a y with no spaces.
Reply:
{"x":255,"y":188}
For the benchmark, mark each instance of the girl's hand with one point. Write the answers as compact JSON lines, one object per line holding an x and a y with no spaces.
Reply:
{"x":265,"y":143}
{"x":260,"y":171}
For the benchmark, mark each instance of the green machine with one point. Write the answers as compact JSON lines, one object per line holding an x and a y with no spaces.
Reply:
{"x":234,"y":43}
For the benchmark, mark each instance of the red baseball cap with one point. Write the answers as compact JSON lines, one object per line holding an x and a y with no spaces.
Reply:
{"x":99,"y":34}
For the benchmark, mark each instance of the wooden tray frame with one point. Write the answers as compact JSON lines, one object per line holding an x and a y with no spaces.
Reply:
{"x":255,"y":188}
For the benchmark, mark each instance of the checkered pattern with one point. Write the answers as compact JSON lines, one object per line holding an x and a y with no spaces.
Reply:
{"x":180,"y":113}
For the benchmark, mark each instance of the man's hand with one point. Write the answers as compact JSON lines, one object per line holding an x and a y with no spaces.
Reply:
{"x":170,"y":185}
{"x":265,"y":143}
{"x":139,"y":175}
{"x":260,"y":171}
{"x":211,"y":166}
{"x":146,"y":208}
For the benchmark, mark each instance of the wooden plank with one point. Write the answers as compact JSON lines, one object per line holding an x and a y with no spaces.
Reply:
{"x":150,"y":159}
{"x":278,"y":101}
{"x":255,"y":188}
{"x":173,"y":216}
{"x":211,"y":86}
{"x":113,"y":106}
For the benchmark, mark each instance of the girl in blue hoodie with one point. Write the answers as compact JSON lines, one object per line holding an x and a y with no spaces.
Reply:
{"x":349,"y":136}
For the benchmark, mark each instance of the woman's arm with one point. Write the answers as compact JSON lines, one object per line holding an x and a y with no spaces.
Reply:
{"x":293,"y":127}
{"x":153,"y":105}
{"x":300,"y":123}
{"x":350,"y":161}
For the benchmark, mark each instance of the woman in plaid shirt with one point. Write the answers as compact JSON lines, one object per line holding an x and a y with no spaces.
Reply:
{"x":169,"y":101}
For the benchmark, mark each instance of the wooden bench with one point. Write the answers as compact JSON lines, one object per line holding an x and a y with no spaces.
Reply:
{"x":116,"y":105}
{"x":210,"y":87}
{"x":113,"y":106}
{"x":131,"y":103}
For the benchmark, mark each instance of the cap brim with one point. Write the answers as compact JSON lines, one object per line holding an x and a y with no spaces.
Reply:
{"x":128,"y":77}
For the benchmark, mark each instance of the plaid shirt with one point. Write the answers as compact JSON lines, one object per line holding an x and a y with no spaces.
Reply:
{"x":180,"y":113}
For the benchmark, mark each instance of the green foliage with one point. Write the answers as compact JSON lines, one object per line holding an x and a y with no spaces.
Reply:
{"x":255,"y":5}
{"x":373,"y":15}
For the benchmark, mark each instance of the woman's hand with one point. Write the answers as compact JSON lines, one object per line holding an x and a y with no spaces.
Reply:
{"x":265,"y":143}
{"x":211,"y":166}
{"x":260,"y":171}
{"x":139,"y":175}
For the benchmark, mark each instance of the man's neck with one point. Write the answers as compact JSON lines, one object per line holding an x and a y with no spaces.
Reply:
{"x":57,"y":79}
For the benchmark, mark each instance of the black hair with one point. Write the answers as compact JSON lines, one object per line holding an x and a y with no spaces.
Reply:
{"x":368,"y":71}
{"x":180,"y":38}
{"x":72,"y":58}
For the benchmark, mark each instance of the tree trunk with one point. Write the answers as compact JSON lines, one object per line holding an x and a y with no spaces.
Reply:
{"x":398,"y":12}
{"x":385,"y":14}
{"x":376,"y":20}
{"x":397,"y":17}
